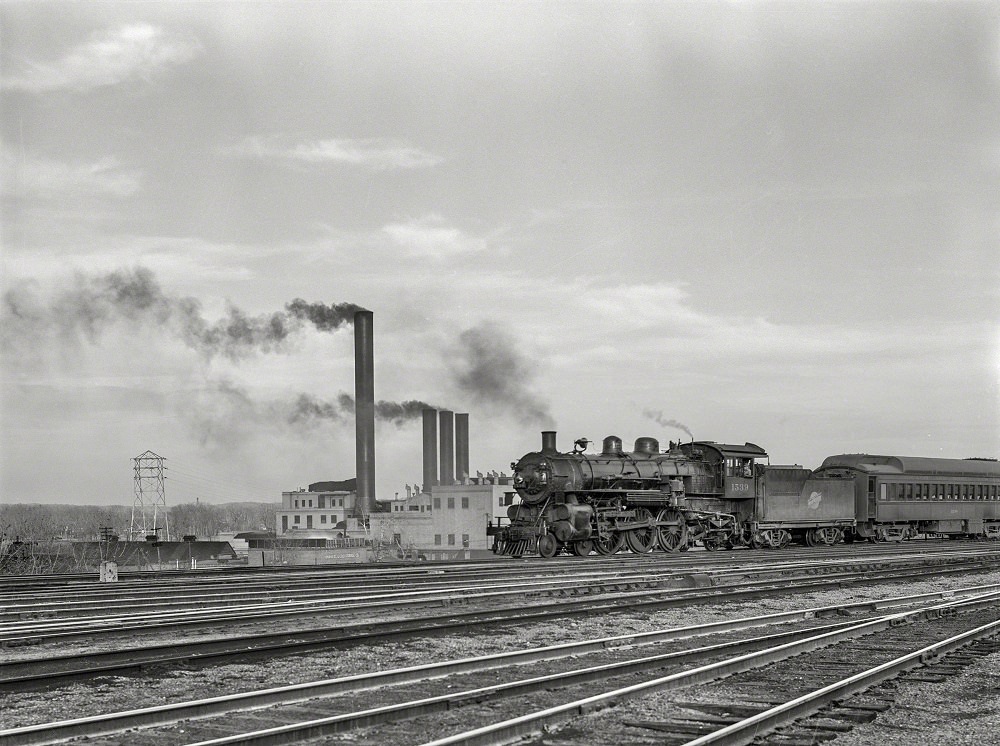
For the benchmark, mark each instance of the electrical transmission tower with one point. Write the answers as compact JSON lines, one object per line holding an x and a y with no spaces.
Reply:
{"x":149,"y":508}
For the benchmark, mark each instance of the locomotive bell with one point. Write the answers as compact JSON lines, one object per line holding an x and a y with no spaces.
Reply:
{"x":647,"y":445}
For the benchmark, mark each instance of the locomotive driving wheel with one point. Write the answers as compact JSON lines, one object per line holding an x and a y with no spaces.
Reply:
{"x":642,"y":540}
{"x":671,"y":531}
{"x":614,"y":541}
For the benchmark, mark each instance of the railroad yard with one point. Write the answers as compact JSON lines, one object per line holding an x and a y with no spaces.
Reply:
{"x":849,"y":645}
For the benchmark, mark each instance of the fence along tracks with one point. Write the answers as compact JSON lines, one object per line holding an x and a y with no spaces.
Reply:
{"x":767,"y":649}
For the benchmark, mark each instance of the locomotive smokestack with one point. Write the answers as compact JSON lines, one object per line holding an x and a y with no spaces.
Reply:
{"x":461,"y":447}
{"x":364,"y":398}
{"x":430,"y":448}
{"x":549,"y":441}
{"x":447,"y":474}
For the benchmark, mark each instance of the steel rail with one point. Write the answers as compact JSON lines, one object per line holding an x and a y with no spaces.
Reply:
{"x":222,"y":599}
{"x":186,"y":581}
{"x":679,"y":586}
{"x":117,"y":722}
{"x":35,"y":671}
{"x":746,"y":730}
{"x":245,"y":573}
{"x":507,"y":730}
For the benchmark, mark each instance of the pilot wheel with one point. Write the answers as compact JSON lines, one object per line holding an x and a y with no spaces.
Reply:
{"x":547,"y":545}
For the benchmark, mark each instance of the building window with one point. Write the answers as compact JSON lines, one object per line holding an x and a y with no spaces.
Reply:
{"x":284,"y":523}
{"x":296,"y":503}
{"x":322,"y":518}
{"x":437,"y":503}
{"x":437,"y":540}
{"x":465,"y":503}
{"x":310,"y":503}
{"x":309,"y":521}
{"x":465,"y":540}
{"x":295,"y":519}
{"x":451,"y":503}
{"x":451,"y":539}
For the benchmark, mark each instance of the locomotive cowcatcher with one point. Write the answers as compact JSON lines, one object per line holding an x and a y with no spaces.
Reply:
{"x":701,"y":491}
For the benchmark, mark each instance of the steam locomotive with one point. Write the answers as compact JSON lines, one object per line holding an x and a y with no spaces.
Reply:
{"x":726,"y":496}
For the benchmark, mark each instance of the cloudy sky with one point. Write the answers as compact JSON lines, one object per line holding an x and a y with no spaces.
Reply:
{"x":766,"y":222}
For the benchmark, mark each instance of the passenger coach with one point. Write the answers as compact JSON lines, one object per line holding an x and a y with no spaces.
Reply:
{"x":899,"y":496}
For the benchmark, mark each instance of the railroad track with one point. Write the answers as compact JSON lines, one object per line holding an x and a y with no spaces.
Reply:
{"x":38,"y":671}
{"x":23,"y":626}
{"x":26,"y":597}
{"x":303,"y":711}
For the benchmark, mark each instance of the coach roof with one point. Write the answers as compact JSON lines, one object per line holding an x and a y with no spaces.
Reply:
{"x":915,"y":465}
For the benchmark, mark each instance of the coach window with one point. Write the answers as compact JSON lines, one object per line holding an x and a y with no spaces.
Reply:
{"x":909,"y":492}
{"x":926,"y":492}
{"x":871,"y":485}
{"x":884,"y":492}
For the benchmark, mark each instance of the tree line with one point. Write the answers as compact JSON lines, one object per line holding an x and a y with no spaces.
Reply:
{"x":29,"y":522}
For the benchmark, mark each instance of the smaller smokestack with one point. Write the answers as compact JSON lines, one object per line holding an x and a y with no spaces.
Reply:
{"x":549,"y":441}
{"x":461,"y":447}
{"x":430,"y":448}
{"x":447,"y":473}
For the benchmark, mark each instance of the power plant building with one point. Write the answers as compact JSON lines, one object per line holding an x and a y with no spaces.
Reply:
{"x":446,"y":519}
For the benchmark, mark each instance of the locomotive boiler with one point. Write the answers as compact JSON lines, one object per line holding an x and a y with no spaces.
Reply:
{"x":643,"y":498}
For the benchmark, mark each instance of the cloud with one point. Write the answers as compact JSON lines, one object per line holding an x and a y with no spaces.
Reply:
{"x":376,"y":154}
{"x":42,"y":177}
{"x":432,"y":236}
{"x":131,"y":52}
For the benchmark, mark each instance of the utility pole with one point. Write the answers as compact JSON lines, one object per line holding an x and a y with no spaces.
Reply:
{"x":149,"y":507}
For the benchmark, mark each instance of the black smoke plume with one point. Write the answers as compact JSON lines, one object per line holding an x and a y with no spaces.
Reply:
{"x":487,"y":366}
{"x":93,"y":303}
{"x":659,"y":419}
{"x":324,"y":318}
{"x":308,"y":409}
